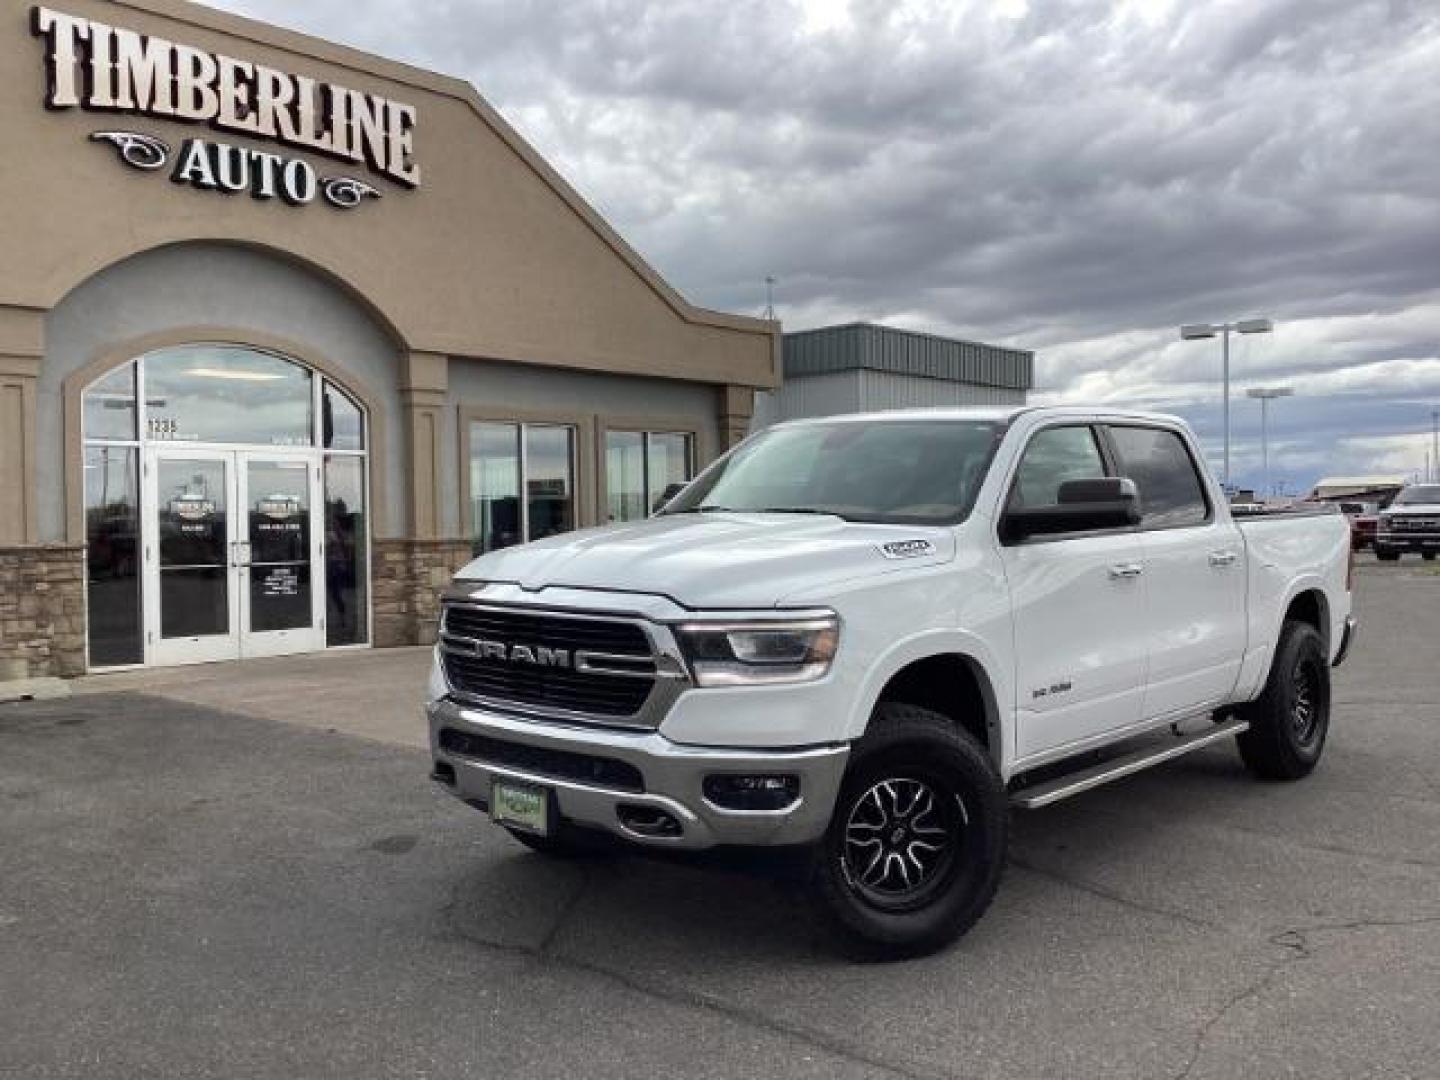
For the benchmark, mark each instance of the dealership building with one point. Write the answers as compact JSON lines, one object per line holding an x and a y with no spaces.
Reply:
{"x":288,"y":332}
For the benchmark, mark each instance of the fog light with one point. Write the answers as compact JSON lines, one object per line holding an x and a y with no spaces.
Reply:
{"x":739,"y":792}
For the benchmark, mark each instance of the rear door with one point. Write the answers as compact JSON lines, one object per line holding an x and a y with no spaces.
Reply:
{"x":1194,"y":569}
{"x":1079,"y":607}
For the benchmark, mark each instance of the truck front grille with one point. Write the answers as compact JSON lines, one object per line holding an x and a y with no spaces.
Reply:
{"x":544,"y":660}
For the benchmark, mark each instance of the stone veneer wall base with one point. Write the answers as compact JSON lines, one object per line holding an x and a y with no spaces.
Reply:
{"x":42,"y":611}
{"x":407,"y":580}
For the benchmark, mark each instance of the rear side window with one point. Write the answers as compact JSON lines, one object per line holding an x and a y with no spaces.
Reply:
{"x":1171,"y":492}
{"x":1055,"y":455}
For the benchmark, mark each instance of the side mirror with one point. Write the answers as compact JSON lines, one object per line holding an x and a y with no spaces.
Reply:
{"x":1108,"y":502}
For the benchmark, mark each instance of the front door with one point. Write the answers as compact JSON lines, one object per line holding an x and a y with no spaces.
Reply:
{"x":230,"y":560}
{"x":1078,"y":604}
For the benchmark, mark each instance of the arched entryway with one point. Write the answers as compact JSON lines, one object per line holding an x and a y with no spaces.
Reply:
{"x":226,"y":508}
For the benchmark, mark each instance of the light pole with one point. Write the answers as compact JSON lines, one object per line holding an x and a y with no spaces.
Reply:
{"x":1191,"y":331}
{"x":1266,"y":394}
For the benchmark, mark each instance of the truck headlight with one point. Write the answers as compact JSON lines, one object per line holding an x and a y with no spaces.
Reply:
{"x":759,"y":652}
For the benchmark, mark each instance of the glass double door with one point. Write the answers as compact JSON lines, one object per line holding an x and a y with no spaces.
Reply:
{"x":230,"y":562}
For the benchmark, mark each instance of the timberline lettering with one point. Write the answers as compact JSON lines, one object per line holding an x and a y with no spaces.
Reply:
{"x":94,"y":66}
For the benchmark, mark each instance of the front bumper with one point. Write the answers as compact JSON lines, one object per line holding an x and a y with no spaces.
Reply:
{"x":673,"y":778}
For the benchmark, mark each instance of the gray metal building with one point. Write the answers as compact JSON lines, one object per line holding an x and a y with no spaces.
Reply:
{"x":861,"y":367}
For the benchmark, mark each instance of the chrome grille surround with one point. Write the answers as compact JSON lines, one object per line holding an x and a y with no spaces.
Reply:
{"x":610,"y":666}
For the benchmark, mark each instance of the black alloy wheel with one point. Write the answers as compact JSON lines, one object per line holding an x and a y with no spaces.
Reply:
{"x":902,"y":841}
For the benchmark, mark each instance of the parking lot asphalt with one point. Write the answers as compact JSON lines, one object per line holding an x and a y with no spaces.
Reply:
{"x":193,"y":891}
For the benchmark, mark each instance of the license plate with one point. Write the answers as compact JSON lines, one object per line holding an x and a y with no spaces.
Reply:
{"x":521,"y":806}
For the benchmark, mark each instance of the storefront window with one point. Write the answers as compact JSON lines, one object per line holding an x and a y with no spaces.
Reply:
{"x":625,"y":475}
{"x":346,"y":600}
{"x":508,"y":459}
{"x":549,"y":481}
{"x":228,"y":523}
{"x":342,"y":424}
{"x":640,"y":466}
{"x":226,"y":394}
{"x":110,"y":406}
{"x":112,"y":555}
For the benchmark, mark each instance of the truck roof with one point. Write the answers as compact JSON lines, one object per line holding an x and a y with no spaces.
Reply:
{"x":991,"y":414}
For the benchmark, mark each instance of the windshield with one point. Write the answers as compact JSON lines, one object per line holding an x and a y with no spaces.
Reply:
{"x":911,"y":472}
{"x":1420,"y":493}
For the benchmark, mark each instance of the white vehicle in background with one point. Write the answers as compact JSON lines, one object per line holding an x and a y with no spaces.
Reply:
{"x":1411,"y":523}
{"x":868,"y":637}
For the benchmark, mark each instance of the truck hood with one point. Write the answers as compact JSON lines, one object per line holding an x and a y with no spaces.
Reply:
{"x":717,"y":560}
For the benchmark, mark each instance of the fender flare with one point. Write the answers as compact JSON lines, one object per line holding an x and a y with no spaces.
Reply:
{"x":1262,"y":659}
{"x":989,"y":674}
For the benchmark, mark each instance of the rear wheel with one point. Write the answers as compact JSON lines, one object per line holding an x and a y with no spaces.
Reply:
{"x":1428,"y":556}
{"x":1387,"y":556}
{"x":916,"y":845}
{"x":1290,"y":720}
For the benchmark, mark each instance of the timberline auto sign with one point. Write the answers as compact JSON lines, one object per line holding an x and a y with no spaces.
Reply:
{"x":103,"y":68}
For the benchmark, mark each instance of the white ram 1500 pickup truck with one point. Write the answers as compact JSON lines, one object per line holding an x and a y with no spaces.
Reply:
{"x":868,"y":637}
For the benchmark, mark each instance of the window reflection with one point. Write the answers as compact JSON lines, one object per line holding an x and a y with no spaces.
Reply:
{"x":495,"y":485}
{"x":110,"y":406}
{"x":515,"y":496}
{"x":112,"y":555}
{"x":640,"y":467}
{"x":342,"y":424}
{"x":625,"y":475}
{"x":346,"y":601}
{"x":549,"y":481}
{"x":226,"y":394}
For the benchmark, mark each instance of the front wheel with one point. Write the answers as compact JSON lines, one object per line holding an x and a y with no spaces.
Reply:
{"x":1428,"y":556}
{"x":1291,"y":718}
{"x":916,"y":845}
{"x":1387,"y":556}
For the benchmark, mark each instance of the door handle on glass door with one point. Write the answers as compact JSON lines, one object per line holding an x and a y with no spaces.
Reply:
{"x":1220,"y":559}
{"x":1125,"y":571}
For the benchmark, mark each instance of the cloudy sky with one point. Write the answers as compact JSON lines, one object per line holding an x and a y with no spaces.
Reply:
{"x":1077,"y":178}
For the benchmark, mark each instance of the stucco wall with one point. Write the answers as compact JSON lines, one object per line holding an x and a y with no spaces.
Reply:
{"x":211,"y":285}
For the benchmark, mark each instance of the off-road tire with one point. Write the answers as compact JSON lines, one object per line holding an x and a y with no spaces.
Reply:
{"x":913,"y":750}
{"x":1291,"y":718}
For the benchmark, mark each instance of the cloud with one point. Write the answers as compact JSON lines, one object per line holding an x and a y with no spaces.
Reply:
{"x":1074,"y":177}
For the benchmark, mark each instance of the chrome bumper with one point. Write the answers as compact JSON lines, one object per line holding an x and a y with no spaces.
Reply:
{"x":673,"y":774}
{"x":1346,"y":640}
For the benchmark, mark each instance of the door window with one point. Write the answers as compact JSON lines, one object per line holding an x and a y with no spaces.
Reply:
{"x":1054,"y":456}
{"x":193,"y":512}
{"x":278,"y":497}
{"x":1171,"y":492}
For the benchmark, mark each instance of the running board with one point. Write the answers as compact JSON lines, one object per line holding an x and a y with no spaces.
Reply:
{"x":1052,"y":791}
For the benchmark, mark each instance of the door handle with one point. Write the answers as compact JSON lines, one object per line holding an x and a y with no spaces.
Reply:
{"x":1220,"y":559}
{"x":1125,"y":571}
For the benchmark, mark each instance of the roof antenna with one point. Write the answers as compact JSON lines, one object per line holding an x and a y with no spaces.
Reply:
{"x":769,"y":298}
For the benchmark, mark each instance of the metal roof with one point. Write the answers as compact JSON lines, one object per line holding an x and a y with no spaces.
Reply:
{"x":847,"y":347}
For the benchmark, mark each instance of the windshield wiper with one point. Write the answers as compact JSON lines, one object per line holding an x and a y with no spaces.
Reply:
{"x":796,"y":510}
